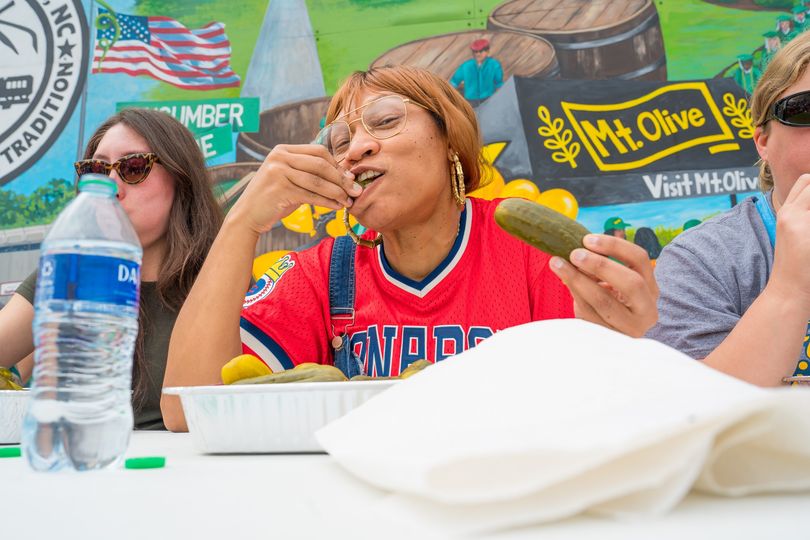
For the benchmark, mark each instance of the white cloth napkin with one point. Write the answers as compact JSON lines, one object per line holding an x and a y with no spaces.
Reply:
{"x":553,"y":418}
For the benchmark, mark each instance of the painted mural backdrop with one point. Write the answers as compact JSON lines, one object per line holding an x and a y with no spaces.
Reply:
{"x":663,"y":142}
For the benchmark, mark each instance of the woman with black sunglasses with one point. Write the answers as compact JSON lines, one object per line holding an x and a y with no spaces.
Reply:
{"x":164,"y":188}
{"x":735,"y":290}
{"x":431,"y":277}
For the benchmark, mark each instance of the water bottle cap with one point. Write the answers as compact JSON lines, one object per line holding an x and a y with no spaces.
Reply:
{"x":10,"y":451}
{"x":151,"y":462}
{"x":97,"y":180}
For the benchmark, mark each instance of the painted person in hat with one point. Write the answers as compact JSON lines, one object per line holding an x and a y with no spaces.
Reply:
{"x":480,"y":76}
{"x":746,"y":75}
{"x":784,"y":27}
{"x":646,"y":238}
{"x":735,"y":291}
{"x":799,"y":19}
{"x":772,"y":45}
{"x":615,"y":226}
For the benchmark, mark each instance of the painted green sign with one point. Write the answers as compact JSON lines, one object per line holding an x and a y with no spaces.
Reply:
{"x":212,"y":121}
{"x":242,"y":114}
{"x":215,"y":141}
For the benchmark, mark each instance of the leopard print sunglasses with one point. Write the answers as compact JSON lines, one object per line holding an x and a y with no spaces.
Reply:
{"x":133,"y":168}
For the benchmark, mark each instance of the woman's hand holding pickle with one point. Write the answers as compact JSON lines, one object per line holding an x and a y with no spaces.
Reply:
{"x":290,"y":176}
{"x":612,"y":283}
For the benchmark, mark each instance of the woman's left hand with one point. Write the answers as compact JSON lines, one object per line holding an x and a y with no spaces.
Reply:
{"x":620,"y":295}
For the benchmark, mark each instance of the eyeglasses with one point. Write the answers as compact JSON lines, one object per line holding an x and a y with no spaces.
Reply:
{"x":133,"y":168}
{"x":383,"y":118}
{"x":793,"y":110}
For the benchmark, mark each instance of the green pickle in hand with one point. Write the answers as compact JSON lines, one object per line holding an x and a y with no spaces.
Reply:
{"x":540,"y":226}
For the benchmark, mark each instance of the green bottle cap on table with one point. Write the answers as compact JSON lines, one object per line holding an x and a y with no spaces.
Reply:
{"x":10,"y":451}
{"x":151,"y":462}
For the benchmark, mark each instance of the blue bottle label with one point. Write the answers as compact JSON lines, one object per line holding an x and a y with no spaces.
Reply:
{"x":88,"y":278}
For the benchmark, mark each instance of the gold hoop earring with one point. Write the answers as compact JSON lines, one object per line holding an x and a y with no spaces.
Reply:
{"x":356,"y":239}
{"x":457,"y":180}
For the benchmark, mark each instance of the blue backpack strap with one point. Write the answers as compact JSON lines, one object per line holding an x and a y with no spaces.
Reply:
{"x":768,"y":218}
{"x":341,"y":305}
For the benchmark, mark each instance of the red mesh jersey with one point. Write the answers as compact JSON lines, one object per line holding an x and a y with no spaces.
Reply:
{"x":488,"y":281}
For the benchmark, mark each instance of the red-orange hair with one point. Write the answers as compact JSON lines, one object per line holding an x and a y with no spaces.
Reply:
{"x":453,"y":114}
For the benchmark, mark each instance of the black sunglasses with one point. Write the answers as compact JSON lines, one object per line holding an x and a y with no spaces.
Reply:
{"x":793,"y":110}
{"x":133,"y":168}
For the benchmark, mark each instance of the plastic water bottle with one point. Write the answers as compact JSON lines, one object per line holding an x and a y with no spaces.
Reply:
{"x":85,"y":326}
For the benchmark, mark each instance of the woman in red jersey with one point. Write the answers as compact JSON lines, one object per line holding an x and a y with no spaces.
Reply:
{"x":431,"y":277}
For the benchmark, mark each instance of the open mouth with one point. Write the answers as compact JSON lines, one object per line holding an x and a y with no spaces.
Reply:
{"x":367,"y":178}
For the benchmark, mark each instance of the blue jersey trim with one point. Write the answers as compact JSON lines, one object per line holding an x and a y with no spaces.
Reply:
{"x":420,"y":285}
{"x":280,"y":354}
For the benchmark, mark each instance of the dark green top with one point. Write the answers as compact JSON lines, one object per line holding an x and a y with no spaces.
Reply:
{"x":159,"y":324}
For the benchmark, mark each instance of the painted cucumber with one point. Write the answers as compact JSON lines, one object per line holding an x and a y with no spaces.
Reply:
{"x":540,"y":226}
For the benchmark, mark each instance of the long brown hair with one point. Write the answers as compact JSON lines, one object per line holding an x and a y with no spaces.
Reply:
{"x":194,"y":218}
{"x":453,"y":114}
{"x":784,"y":69}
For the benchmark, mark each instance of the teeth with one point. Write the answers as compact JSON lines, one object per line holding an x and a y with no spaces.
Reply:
{"x":368,"y":176}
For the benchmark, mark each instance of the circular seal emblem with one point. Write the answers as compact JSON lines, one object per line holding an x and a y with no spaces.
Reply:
{"x":42,"y":75}
{"x":260,"y":290}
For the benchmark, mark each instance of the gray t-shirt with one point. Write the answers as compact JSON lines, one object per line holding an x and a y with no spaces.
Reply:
{"x":709,"y":276}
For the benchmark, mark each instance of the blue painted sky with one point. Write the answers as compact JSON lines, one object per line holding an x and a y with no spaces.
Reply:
{"x":670,"y":213}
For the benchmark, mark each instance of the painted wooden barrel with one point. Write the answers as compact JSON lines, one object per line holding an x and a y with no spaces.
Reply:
{"x":292,"y":123}
{"x":519,"y":54}
{"x":594,"y":39}
{"x":229,"y":182}
{"x":225,"y":174}
{"x":225,"y":181}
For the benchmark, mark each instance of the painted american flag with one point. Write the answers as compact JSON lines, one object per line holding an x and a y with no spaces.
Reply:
{"x":164,"y":49}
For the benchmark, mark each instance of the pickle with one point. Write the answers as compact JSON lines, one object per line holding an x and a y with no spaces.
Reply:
{"x":540,"y":226}
{"x":370,"y":378}
{"x":302,"y":373}
{"x":8,"y":381}
{"x":414,"y":368}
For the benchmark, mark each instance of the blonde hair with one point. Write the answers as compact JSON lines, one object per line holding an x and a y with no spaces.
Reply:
{"x":453,"y":114}
{"x":786,"y":67}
